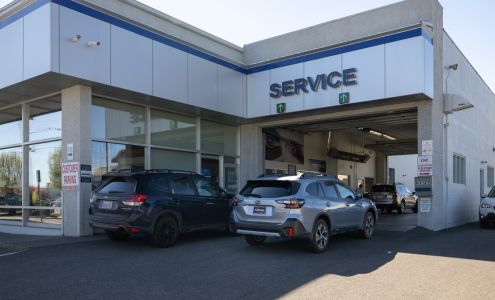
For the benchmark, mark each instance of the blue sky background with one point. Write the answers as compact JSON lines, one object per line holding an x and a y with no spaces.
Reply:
{"x":470,"y":23}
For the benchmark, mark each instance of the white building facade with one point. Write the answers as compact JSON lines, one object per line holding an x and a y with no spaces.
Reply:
{"x":93,"y":86}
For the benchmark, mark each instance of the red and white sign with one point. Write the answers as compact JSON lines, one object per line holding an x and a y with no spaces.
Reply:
{"x":70,"y":174}
{"x":425,"y":165}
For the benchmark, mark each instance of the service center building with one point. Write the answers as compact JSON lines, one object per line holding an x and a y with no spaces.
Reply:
{"x":93,"y":86}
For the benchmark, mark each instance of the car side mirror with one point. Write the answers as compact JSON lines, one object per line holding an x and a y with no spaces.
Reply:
{"x":484,"y":196}
{"x":414,"y":193}
{"x":359,"y":196}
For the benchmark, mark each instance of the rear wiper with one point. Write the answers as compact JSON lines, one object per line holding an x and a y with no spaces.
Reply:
{"x":253,"y":195}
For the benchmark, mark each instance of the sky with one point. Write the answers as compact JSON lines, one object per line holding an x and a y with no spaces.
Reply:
{"x":470,"y":23}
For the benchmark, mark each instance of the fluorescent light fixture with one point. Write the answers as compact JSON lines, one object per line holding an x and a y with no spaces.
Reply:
{"x":377,"y":133}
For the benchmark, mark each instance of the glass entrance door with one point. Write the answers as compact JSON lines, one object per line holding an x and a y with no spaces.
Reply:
{"x":210,"y":167}
{"x":230,"y":174}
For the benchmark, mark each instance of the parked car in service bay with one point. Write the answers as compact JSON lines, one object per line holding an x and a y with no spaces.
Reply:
{"x":159,"y":204}
{"x":308,"y":206}
{"x":487,"y":209}
{"x":394,"y":197}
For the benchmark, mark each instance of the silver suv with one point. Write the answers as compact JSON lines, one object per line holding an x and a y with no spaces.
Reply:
{"x":307,"y":206}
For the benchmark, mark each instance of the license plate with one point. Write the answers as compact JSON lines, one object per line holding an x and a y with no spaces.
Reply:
{"x":259,"y":210}
{"x":106,"y":204}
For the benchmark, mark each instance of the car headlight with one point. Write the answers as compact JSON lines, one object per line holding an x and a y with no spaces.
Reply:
{"x":485,"y":205}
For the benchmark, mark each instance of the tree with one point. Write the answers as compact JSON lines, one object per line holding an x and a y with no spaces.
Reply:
{"x":55,"y":169}
{"x":10,"y":172}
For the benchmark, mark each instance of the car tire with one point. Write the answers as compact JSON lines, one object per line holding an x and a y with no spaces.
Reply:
{"x":369,"y":223}
{"x":255,"y":240}
{"x":115,"y":235}
{"x":166,"y":232}
{"x":415,"y":208}
{"x":401,"y":208}
{"x":484,"y":224}
{"x":320,"y":236}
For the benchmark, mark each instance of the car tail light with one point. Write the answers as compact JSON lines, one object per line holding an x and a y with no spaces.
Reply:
{"x":136,"y":200}
{"x":133,"y":230}
{"x":236,"y":200}
{"x":291,"y":231}
{"x":292,"y":203}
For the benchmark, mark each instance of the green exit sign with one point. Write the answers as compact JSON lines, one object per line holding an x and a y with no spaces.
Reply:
{"x":280,"y":108}
{"x":344,"y":98}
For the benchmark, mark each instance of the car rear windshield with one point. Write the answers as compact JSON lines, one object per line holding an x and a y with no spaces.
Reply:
{"x":118,"y":185}
{"x":382,"y":188}
{"x":270,"y":188}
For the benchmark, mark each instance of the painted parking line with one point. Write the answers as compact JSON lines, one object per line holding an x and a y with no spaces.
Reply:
{"x":11,"y":253}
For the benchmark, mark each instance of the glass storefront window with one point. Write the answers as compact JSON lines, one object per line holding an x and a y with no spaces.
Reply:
{"x":117,"y":121}
{"x":218,"y":138}
{"x":11,"y":126}
{"x":173,"y":160}
{"x":45,"y":119}
{"x":45,"y":174}
{"x":121,"y":157}
{"x":11,"y":184}
{"x":46,"y":216}
{"x":171,"y":130}
{"x":98,"y":161}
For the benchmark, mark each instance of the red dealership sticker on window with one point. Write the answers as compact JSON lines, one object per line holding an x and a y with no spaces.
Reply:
{"x":70,"y":174}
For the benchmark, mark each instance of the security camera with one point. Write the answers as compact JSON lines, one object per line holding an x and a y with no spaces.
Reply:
{"x":76,"y":38}
{"x":93,"y":43}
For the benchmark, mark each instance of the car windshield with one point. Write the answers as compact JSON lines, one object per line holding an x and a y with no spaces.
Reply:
{"x":118,"y":185}
{"x":492,"y":193}
{"x":270,"y":188}
{"x":383,"y":188}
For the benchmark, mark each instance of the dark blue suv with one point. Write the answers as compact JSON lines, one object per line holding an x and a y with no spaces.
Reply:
{"x":159,"y":204}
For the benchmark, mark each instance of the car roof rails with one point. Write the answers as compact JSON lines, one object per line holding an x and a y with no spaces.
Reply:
{"x":171,"y":171}
{"x":270,"y":175}
{"x":303,"y":174}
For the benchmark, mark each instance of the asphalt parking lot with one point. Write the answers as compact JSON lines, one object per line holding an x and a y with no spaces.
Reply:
{"x":452,"y":264}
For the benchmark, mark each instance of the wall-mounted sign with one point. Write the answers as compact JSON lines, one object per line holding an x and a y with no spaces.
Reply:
{"x":70,"y":151}
{"x":425,"y":204}
{"x":344,"y":98}
{"x":70,"y":174}
{"x":86,"y":173}
{"x":425,"y":165}
{"x":280,"y":108}
{"x":427,"y":147}
{"x":294,"y":87}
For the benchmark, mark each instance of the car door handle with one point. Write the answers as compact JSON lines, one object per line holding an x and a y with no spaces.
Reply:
{"x":209,"y":203}
{"x":329,"y":204}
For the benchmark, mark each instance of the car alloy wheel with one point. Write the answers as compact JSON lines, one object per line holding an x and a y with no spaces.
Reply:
{"x":320,"y":236}
{"x":166,"y":232}
{"x":369,"y":225}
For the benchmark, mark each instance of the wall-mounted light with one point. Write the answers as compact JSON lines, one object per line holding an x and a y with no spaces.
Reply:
{"x":94,"y":44}
{"x":76,"y":38}
{"x":453,"y":67}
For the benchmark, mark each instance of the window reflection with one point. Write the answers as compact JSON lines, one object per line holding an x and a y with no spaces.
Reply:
{"x":11,"y":126}
{"x":45,"y":174}
{"x":11,"y":184}
{"x":117,"y":121}
{"x":110,"y":157}
{"x":46,"y":216}
{"x":45,"y":119}
{"x":171,"y":130}
{"x":173,"y":160}
{"x":217,"y":138}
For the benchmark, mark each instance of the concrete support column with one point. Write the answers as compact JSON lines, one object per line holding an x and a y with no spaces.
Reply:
{"x":76,"y":130}
{"x":252,"y":154}
{"x":430,"y":127}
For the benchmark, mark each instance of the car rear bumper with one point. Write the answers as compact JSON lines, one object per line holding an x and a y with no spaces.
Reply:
{"x":290,"y":228}
{"x":118,"y":223}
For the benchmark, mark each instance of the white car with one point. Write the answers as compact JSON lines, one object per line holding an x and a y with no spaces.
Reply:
{"x":487,"y":210}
